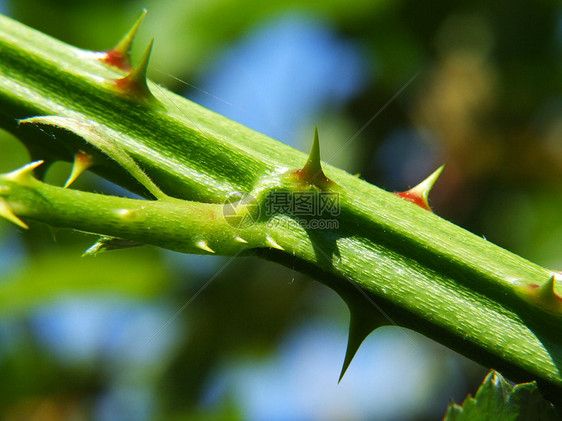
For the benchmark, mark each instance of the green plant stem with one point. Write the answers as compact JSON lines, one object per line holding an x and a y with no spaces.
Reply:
{"x":422,"y":271}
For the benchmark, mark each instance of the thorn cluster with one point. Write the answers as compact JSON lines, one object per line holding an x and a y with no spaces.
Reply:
{"x":135,"y":83}
{"x":120,"y":55}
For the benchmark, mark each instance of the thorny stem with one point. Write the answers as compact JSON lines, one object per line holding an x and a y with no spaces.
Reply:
{"x":422,"y":271}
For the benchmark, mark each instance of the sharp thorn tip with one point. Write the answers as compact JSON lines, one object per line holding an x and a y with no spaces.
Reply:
{"x":25,"y":173}
{"x":7,"y":213}
{"x":419,"y":195}
{"x":120,"y":55}
{"x":312,"y":172}
{"x":203,"y":245}
{"x":82,"y":162}
{"x":136,"y":82}
{"x":272,"y":243}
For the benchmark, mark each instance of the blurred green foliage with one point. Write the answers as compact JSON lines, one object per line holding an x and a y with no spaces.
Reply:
{"x":488,"y":90}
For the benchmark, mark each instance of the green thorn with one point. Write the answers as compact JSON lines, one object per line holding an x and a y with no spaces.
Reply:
{"x":548,"y":292}
{"x":364,"y":317}
{"x":7,"y":213}
{"x":359,"y":329}
{"x":314,"y":166}
{"x":136,"y":82}
{"x":82,"y":161}
{"x":203,"y":245}
{"x":106,"y":243}
{"x":272,"y":243}
{"x":424,"y":188}
{"x":120,"y":55}
{"x":312,"y":172}
{"x":419,"y":194}
{"x":545,"y":295}
{"x":23,"y":175}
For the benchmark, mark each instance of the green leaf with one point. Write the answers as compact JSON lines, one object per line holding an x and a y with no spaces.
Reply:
{"x":496,"y":399}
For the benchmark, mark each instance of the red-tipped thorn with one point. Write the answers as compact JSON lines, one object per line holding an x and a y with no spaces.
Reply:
{"x":419,"y":195}
{"x":120,"y":55}
{"x":136,"y":82}
{"x":312,"y":172}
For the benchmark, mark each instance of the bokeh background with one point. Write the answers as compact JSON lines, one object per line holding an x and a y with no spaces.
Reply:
{"x":474,"y":84}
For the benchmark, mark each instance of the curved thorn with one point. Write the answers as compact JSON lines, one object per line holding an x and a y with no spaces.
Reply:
{"x":7,"y":213}
{"x":359,"y":329}
{"x":82,"y":162}
{"x":120,"y":55}
{"x":203,"y":245}
{"x":419,"y":195}
{"x":136,"y":82}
